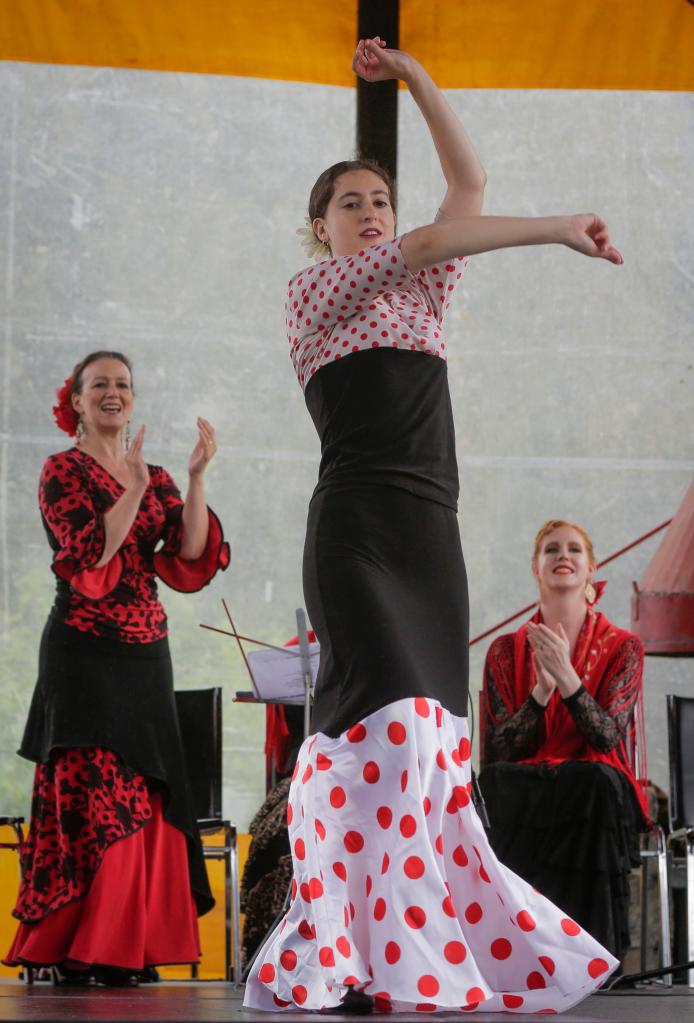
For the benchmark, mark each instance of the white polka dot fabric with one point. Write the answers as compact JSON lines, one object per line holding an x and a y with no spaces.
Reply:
{"x":363,"y":301}
{"x":397,"y":890}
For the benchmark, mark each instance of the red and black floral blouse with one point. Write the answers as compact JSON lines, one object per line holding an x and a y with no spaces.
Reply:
{"x":118,"y":600}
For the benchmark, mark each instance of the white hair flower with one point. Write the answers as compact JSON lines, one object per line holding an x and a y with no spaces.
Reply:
{"x":311,"y":243}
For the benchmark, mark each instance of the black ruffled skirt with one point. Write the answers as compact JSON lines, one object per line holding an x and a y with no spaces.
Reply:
{"x":572,"y":832}
{"x":93,"y":691}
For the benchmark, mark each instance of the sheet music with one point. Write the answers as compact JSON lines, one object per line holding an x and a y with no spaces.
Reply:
{"x":278,"y":675}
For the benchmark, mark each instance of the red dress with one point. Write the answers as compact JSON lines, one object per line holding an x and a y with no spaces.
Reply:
{"x":112,"y":871}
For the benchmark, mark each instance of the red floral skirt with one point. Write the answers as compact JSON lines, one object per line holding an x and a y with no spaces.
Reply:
{"x":104,"y":875}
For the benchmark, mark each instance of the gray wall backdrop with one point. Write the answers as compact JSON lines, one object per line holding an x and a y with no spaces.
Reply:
{"x":156,"y":213}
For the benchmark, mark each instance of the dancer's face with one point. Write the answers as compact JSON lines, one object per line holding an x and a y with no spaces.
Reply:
{"x":106,"y":399}
{"x":359,"y":214}
{"x":563,"y":563}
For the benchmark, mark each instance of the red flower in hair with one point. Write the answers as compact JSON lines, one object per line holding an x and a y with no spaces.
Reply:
{"x":63,"y":413}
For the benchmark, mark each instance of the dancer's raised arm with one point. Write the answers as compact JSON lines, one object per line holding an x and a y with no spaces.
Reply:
{"x":464,"y":174}
{"x":462,"y":232}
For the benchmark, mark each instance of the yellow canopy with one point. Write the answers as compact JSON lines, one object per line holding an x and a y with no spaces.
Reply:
{"x":553,"y":44}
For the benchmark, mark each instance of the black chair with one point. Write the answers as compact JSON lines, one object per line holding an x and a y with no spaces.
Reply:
{"x":680,"y":719}
{"x":200,"y":721}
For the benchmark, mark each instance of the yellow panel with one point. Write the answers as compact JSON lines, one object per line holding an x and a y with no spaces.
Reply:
{"x":552,"y":44}
{"x":212,"y":924}
{"x":298,"y":40}
{"x":9,"y":885}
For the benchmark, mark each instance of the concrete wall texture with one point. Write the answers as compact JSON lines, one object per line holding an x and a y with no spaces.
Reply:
{"x":156,"y":213}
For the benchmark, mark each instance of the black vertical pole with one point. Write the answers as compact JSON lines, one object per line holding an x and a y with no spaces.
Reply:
{"x":377,"y":104}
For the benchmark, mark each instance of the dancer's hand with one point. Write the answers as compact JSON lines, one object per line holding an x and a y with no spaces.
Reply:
{"x":373,"y":62}
{"x":135,"y":461}
{"x":587,"y":233}
{"x":204,"y":450}
{"x":545,"y":684}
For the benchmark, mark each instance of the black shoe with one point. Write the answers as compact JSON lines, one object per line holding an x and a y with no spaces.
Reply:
{"x":149,"y":975}
{"x":61,"y":975}
{"x":355,"y":1002}
{"x":114,"y":976}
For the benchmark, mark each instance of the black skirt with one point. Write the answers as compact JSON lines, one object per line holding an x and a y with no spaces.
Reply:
{"x":386,"y":592}
{"x":572,"y":832}
{"x":93,"y":691}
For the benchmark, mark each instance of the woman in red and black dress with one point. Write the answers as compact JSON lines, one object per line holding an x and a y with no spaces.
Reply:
{"x":112,"y":873}
{"x":560,"y":699}
{"x":398,"y":902}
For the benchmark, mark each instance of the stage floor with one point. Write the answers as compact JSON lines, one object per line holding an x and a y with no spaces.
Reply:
{"x":212,"y":1002}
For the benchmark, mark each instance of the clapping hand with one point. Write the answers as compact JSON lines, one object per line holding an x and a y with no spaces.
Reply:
{"x":551,"y":653}
{"x":373,"y":62}
{"x":204,"y":450}
{"x":135,"y":461}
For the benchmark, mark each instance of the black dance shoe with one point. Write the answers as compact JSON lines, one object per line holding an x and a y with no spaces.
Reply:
{"x":114,"y":976}
{"x":149,"y":975}
{"x":355,"y":1002}
{"x":62,"y":976}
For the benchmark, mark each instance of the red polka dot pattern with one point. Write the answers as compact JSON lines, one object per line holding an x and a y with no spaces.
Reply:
{"x":413,"y":867}
{"x":415,"y":917}
{"x":397,"y":733}
{"x":501,"y":948}
{"x":597,"y":966}
{"x":384,"y":816}
{"x":288,"y":959}
{"x":326,"y":956}
{"x":548,"y":964}
{"x":473,"y":913}
{"x":354,"y":841}
{"x":438,"y":884}
{"x":428,"y":986}
{"x":357,"y":733}
{"x":408,"y":826}
{"x":327,"y":305}
{"x":455,"y":952}
{"x":392,"y":952}
{"x":379,"y":909}
{"x":338,"y":797}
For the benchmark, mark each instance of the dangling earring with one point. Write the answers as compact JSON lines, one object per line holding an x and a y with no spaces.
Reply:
{"x":79,"y":432}
{"x":591,"y":592}
{"x":127,"y":436}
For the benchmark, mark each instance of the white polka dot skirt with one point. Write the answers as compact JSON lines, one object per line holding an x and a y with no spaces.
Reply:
{"x":396,"y":889}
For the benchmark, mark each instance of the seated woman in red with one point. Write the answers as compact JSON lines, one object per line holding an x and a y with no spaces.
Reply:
{"x":560,"y":698}
{"x":112,"y":871}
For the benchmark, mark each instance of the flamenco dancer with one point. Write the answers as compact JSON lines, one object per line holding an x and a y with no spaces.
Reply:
{"x":398,"y":902}
{"x":112,"y":871}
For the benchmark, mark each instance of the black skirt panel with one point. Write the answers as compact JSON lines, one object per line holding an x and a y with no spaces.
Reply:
{"x":93,"y":691}
{"x":386,"y":591}
{"x":571,"y":831}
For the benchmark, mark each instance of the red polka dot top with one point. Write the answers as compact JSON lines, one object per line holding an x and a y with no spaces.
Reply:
{"x":367,"y":343}
{"x":118,"y":600}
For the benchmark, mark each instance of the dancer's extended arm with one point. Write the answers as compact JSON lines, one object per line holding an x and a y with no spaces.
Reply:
{"x":464,"y":174}
{"x":435,"y":243}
